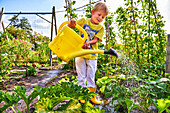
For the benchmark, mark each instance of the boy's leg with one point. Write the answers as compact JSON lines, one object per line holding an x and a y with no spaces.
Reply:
{"x":81,"y":71}
{"x":91,"y":70}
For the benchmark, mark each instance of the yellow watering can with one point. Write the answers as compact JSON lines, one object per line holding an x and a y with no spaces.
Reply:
{"x":68,"y":44}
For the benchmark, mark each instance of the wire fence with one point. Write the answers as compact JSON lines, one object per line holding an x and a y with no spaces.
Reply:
{"x":38,"y":24}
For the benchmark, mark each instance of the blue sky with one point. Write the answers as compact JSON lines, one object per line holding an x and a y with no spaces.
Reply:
{"x":31,"y":5}
{"x":46,"y":6}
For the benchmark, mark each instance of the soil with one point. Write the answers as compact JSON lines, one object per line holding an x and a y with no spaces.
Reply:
{"x":17,"y":77}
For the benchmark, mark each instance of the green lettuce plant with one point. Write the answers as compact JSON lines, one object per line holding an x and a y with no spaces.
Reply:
{"x":21,"y":92}
{"x":162,"y":104}
{"x":10,"y":100}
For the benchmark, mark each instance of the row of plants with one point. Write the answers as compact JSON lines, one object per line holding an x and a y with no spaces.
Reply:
{"x":140,"y":97}
{"x":16,"y":50}
{"x":127,"y":93}
{"x":127,"y":83}
{"x":130,"y":91}
{"x":30,"y":70}
{"x":141,"y":32}
{"x":49,"y":97}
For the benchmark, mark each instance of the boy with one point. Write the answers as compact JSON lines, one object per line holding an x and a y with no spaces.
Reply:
{"x":86,"y":65}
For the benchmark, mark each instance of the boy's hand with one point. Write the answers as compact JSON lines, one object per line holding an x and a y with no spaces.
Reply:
{"x":86,"y":45}
{"x":72,"y":23}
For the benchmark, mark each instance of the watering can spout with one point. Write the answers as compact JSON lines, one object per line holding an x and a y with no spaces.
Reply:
{"x":84,"y":52}
{"x":111,"y":52}
{"x":88,"y":51}
{"x":68,"y":44}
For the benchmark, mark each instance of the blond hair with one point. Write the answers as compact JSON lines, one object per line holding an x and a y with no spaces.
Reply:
{"x":101,"y":6}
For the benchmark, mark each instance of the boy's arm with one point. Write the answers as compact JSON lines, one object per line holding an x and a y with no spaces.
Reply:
{"x":95,"y":39}
{"x":88,"y":43}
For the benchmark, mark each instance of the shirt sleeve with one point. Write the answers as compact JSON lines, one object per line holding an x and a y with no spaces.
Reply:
{"x":99,"y":35}
{"x":81,"y":22}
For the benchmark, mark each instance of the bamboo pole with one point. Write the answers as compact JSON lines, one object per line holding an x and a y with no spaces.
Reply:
{"x":133,"y":15}
{"x":167,"y":70}
{"x":149,"y":30}
{"x":55,"y":22}
{"x":0,"y":39}
{"x":53,"y":11}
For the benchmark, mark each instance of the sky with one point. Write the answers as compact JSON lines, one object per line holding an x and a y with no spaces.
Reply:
{"x":46,"y":6}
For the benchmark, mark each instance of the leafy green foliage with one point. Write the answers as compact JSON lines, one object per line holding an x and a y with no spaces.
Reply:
{"x":155,"y":89}
{"x":52,"y":96}
{"x":9,"y":100}
{"x":141,"y":33}
{"x":20,"y":91}
{"x":162,"y":104}
{"x":30,"y":71}
{"x":21,"y":49}
{"x":7,"y":54}
{"x":68,"y":8}
{"x":49,"y":97}
{"x":17,"y":33}
{"x":121,"y":94}
{"x":103,"y":82}
{"x":130,"y":104}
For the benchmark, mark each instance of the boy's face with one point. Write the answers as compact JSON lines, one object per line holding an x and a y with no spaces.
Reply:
{"x":97,"y":16}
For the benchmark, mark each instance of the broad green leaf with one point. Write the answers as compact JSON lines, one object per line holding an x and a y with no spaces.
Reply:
{"x":162,"y":86}
{"x":163,"y":80}
{"x":128,"y":102}
{"x":161,"y":105}
{"x":152,"y":82}
{"x":122,"y":76}
{"x":134,"y":106}
{"x":102,"y":89}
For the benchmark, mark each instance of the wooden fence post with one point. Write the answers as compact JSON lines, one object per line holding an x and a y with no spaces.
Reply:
{"x":1,"y":13}
{"x":167,"y":70}
{"x":53,"y":11}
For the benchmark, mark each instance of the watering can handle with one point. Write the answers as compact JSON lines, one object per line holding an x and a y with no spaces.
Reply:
{"x":77,"y":26}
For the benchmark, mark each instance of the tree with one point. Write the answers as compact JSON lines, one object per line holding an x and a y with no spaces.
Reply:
{"x":20,"y":28}
{"x":21,"y":23}
{"x":24,"y":24}
{"x":14,"y":20}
